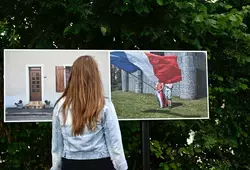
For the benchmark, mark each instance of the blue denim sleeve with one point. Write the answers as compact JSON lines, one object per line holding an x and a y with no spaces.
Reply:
{"x":113,"y":138}
{"x":57,"y":142}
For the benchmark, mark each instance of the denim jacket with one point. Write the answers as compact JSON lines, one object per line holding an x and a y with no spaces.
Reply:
{"x":105,"y":141}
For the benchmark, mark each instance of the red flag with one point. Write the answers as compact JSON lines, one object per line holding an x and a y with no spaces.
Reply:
{"x":166,"y":68}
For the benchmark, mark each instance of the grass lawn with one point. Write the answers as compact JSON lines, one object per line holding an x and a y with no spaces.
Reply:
{"x":130,"y":105}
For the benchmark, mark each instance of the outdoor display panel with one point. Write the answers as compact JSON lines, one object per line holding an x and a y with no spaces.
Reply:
{"x":159,"y":85}
{"x":37,"y":78}
{"x":143,"y":85}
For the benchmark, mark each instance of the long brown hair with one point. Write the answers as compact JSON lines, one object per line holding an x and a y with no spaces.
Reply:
{"x":84,"y":94}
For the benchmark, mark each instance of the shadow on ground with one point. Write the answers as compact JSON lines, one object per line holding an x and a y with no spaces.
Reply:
{"x":176,"y":104}
{"x":169,"y":111}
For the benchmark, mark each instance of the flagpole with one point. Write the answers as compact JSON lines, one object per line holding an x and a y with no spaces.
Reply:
{"x":141,"y":80}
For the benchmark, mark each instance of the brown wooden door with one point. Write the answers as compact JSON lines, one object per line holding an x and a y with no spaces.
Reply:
{"x":35,"y":84}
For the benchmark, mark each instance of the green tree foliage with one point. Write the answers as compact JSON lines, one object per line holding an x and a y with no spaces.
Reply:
{"x":222,"y":28}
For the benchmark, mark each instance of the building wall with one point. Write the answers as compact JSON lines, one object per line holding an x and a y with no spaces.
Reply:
{"x":16,"y":76}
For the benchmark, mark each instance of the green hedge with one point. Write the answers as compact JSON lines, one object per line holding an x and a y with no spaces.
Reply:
{"x":221,"y":28}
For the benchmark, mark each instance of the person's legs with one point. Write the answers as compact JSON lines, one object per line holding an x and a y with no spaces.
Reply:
{"x":163,"y":99}
{"x":170,"y":102}
{"x":169,"y":96}
{"x":158,"y":99}
{"x":166,"y":97}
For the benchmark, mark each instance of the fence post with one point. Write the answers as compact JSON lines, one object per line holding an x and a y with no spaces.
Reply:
{"x":125,"y":81}
{"x":139,"y":82}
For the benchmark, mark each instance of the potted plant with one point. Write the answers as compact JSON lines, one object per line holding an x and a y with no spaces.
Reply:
{"x":47,"y":104}
{"x":19,"y":105}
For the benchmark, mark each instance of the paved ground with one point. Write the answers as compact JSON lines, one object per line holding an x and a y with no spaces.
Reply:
{"x":29,"y":118}
{"x":20,"y":111}
{"x":36,"y":115}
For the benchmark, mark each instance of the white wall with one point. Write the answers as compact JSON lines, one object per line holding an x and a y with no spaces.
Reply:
{"x":16,"y":72}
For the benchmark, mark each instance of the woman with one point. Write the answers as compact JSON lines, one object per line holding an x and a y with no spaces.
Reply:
{"x":85,"y":128}
{"x":160,"y":95}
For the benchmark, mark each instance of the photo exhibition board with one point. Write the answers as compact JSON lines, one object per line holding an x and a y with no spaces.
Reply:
{"x":143,"y":85}
{"x":35,"y":79}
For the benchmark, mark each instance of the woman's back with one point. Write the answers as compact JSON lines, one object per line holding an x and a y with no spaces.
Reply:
{"x":88,"y":145}
{"x":85,"y":125}
{"x":102,"y":142}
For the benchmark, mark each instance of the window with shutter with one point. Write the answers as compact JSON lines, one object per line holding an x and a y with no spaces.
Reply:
{"x":59,"y":78}
{"x":67,"y":73}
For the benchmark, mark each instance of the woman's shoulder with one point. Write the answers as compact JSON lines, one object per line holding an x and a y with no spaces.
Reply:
{"x":108,"y":111}
{"x":107,"y":102}
{"x":58,"y":105}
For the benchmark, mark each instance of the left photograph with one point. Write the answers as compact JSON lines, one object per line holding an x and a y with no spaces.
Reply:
{"x":35,"y":79}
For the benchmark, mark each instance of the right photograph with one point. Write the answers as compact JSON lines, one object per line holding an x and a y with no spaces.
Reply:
{"x":158,"y":85}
